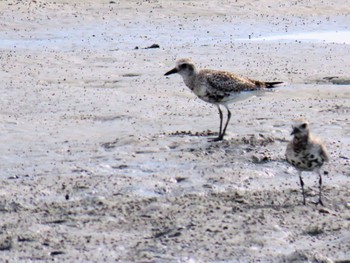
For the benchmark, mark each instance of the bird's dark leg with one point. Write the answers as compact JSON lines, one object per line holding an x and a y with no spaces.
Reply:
{"x":320,"y":189}
{"x":302,"y":187}
{"x":220,"y":137}
{"x":221,"y":119}
{"x":228,"y":120}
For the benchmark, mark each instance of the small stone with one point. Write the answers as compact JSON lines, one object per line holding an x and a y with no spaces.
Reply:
{"x":324,"y":210}
{"x":256,"y":159}
{"x":180,"y":179}
{"x":153,"y":46}
{"x":55,"y":253}
{"x":314,"y":231}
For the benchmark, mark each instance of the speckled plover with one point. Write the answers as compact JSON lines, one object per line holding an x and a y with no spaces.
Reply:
{"x":306,"y":153}
{"x":218,"y":87}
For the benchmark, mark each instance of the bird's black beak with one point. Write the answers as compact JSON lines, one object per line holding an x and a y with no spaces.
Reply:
{"x":174,"y":70}
{"x":295,"y":130}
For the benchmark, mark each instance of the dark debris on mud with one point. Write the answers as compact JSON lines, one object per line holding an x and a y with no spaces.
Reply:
{"x":338,"y":109}
{"x":260,"y":140}
{"x":110,"y":145}
{"x":250,"y":139}
{"x":226,"y":214}
{"x":194,"y":134}
{"x":335,"y":80}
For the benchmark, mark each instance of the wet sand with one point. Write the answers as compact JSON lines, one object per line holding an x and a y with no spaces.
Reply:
{"x":105,"y":159}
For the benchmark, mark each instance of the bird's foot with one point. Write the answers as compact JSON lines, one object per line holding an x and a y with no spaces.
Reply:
{"x":319,"y":202}
{"x":304,"y":200}
{"x":217,"y":139}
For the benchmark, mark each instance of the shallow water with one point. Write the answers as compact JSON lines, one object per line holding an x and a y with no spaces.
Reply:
{"x":340,"y":37}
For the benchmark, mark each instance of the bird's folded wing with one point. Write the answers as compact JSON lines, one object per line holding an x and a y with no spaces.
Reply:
{"x":324,"y":153}
{"x":229,"y":82}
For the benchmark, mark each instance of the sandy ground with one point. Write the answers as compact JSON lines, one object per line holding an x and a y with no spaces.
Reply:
{"x":104,"y":159}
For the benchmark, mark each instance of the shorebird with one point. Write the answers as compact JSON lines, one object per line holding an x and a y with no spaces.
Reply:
{"x":306,"y":153}
{"x":219,"y":87}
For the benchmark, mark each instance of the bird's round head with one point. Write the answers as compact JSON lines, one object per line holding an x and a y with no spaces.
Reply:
{"x":185,"y":67}
{"x":300,"y":128}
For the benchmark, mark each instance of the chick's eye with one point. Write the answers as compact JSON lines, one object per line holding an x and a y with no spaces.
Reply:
{"x":303,"y":125}
{"x":183,"y":66}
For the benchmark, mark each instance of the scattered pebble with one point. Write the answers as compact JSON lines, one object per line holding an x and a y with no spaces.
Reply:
{"x":152,"y":46}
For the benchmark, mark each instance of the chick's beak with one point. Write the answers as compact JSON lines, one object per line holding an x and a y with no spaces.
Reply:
{"x":174,"y":70}
{"x":295,"y":130}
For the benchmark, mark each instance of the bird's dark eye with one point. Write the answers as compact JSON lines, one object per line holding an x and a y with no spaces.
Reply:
{"x":183,"y":66}
{"x":303,"y":126}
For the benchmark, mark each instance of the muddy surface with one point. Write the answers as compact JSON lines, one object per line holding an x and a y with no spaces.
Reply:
{"x":105,"y":159}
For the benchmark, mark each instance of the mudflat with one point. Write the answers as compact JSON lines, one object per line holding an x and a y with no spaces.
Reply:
{"x":104,"y":159}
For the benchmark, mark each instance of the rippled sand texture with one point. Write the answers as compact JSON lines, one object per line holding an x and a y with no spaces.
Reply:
{"x":105,"y":159}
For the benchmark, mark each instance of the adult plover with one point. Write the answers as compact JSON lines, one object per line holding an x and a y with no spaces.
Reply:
{"x":218,"y":87}
{"x":306,"y":153}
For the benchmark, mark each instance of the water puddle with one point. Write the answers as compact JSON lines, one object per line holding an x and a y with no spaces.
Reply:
{"x":339,"y":37}
{"x":60,"y":39}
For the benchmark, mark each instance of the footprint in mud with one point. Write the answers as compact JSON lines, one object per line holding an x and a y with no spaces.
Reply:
{"x":110,"y":118}
{"x":110,"y":145}
{"x":5,"y":243}
{"x":131,"y":75}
